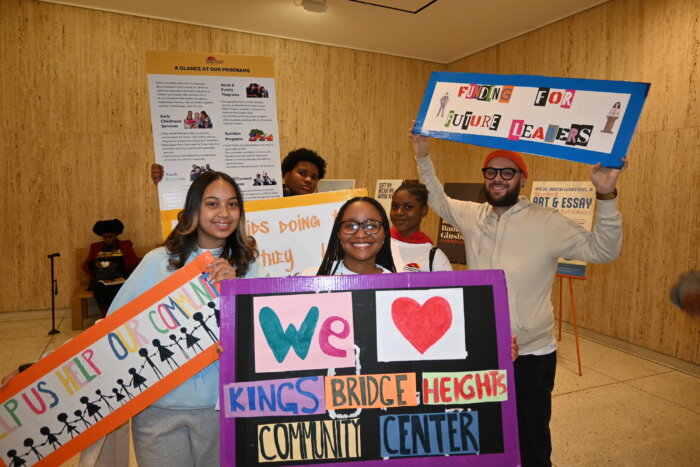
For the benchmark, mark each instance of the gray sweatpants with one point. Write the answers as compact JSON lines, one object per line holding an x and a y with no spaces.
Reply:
{"x":176,"y":437}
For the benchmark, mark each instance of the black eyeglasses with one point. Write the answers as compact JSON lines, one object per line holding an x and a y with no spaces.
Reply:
{"x":371,"y":227}
{"x":506,"y":173}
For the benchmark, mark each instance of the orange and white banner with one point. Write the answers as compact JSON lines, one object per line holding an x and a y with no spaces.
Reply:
{"x":95,"y":382}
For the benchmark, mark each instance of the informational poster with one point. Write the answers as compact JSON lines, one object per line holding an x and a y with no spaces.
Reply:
{"x":369,"y":370}
{"x":97,"y":381}
{"x":581,"y":120}
{"x":450,"y":240}
{"x":214,"y":112}
{"x":384,"y":191}
{"x":575,"y":200}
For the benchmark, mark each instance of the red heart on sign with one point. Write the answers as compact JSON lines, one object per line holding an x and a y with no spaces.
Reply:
{"x":422,"y":325}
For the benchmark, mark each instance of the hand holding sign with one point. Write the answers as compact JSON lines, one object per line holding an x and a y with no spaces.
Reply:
{"x":220,"y":269}
{"x":605,"y":178}
{"x":421,"y":144}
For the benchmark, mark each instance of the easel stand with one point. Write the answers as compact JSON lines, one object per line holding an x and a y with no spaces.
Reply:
{"x":54,"y":292}
{"x":573,"y":312}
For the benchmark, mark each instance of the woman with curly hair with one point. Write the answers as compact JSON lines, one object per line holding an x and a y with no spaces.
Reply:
{"x":301,"y":171}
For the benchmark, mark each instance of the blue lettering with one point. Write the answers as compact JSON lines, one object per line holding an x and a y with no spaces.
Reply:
{"x":280,"y":341}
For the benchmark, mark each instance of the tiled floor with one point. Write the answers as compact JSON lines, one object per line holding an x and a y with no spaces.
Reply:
{"x":624,"y":410}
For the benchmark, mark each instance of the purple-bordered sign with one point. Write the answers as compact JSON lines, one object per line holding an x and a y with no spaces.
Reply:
{"x":448,"y":331}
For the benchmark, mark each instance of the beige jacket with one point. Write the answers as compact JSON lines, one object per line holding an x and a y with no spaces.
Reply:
{"x":525,"y":242}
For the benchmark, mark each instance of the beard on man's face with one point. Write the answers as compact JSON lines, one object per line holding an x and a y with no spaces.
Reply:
{"x":508,"y":199}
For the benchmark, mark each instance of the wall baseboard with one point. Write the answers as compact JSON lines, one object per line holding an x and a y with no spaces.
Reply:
{"x":636,"y":350}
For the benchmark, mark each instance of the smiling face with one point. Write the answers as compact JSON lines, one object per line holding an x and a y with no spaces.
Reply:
{"x":503,"y":193}
{"x":302,"y":179}
{"x":219,"y":214}
{"x":360,"y":248}
{"x":406,"y":212}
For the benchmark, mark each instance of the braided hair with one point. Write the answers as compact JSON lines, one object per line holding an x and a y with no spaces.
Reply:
{"x":335,"y":253}
{"x":416,"y":188}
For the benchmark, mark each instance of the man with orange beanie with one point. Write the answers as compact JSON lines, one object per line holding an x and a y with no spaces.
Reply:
{"x":525,"y":240}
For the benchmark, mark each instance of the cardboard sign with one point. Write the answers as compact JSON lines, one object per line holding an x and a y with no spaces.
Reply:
{"x":581,"y":120}
{"x":291,"y":233}
{"x":95,"y":382}
{"x":575,"y":200}
{"x":377,"y":370}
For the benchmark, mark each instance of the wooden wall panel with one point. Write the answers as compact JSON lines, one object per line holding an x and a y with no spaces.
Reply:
{"x":651,"y":41}
{"x":76,"y":144}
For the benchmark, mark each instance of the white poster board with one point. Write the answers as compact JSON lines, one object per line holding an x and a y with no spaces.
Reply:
{"x":214,"y":113}
{"x":384,"y":191}
{"x":292,"y":233}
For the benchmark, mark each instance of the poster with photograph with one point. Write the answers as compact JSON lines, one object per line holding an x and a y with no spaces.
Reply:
{"x":575,"y":200}
{"x":95,"y":382}
{"x":214,"y":112}
{"x":581,"y":120}
{"x":369,"y":370}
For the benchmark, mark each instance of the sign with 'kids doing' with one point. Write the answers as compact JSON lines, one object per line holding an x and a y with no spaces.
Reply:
{"x":109,"y":373}
{"x":582,"y":120}
{"x":292,"y":232}
{"x":385,"y":369}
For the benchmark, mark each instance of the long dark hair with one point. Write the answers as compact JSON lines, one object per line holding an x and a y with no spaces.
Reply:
{"x":335,"y":253}
{"x":239,"y":248}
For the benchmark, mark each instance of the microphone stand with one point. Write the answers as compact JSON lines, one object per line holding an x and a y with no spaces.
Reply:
{"x":54,"y":292}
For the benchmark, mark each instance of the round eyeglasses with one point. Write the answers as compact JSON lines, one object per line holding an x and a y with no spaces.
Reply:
{"x":370,"y":226}
{"x":506,"y":173}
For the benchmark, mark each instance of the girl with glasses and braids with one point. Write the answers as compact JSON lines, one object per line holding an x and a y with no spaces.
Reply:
{"x":359,"y":242}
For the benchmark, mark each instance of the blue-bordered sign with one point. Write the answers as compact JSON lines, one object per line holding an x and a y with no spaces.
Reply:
{"x":581,"y":120}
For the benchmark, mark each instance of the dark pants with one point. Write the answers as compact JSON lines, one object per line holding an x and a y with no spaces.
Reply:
{"x":534,"y":381}
{"x":104,"y":295}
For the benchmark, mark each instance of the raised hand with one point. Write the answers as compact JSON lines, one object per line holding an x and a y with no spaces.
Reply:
{"x":605,"y":178}
{"x":421,"y":144}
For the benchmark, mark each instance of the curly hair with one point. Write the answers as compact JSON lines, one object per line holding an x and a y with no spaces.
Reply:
{"x":304,"y":155}
{"x":335,"y":253}
{"x":239,"y":249}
